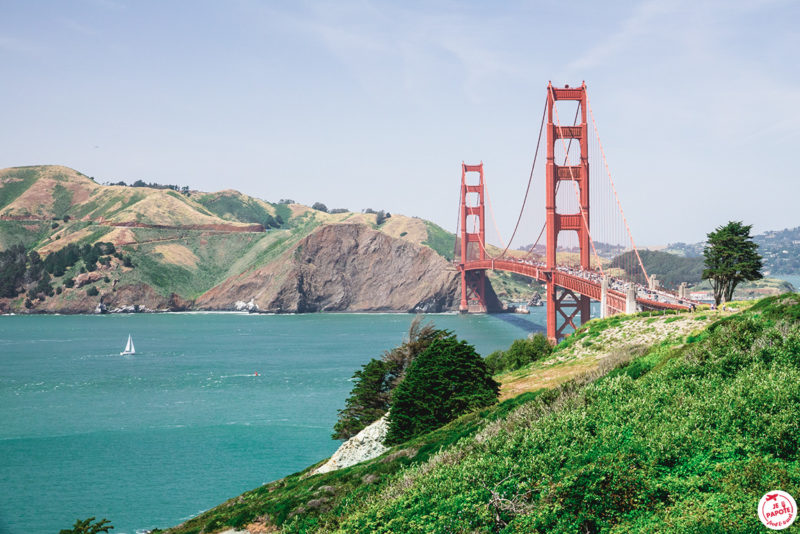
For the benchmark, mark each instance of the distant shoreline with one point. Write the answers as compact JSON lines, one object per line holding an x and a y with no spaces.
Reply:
{"x":233,"y":312}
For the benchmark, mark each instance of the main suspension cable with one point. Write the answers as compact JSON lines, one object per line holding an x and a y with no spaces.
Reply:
{"x":530,"y":180}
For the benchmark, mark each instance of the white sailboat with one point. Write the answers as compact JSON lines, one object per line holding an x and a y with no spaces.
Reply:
{"x":129,"y":347}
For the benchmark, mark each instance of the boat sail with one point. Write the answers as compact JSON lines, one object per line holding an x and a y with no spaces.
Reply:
{"x":129,"y":347}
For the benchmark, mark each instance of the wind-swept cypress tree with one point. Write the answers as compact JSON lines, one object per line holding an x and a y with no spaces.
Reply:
{"x":447,"y":379}
{"x":731,"y":257}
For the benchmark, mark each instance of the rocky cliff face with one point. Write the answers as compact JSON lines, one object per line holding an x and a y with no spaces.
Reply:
{"x":344,"y":267}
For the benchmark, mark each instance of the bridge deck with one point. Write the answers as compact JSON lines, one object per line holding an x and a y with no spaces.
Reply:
{"x":583,"y":282}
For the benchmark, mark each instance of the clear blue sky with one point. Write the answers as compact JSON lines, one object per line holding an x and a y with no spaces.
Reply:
{"x":375,"y":104}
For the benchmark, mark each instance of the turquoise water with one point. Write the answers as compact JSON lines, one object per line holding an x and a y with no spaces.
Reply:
{"x":152,"y":439}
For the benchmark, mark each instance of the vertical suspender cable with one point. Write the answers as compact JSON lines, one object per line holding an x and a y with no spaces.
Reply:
{"x":608,"y":171}
{"x":572,"y":177}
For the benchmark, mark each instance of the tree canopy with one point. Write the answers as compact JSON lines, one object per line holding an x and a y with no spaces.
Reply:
{"x":87,"y":526}
{"x":731,"y":256}
{"x":447,"y":379}
{"x":521,"y":353}
{"x":374,"y":383}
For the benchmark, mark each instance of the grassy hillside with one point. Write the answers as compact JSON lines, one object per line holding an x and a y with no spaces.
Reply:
{"x":234,"y":206}
{"x":668,"y":425}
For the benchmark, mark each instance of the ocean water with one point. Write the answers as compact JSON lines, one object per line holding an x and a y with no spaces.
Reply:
{"x":210,"y":406}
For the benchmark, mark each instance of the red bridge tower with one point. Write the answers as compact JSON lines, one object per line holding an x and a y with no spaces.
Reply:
{"x":473,"y":240}
{"x":561,"y":301}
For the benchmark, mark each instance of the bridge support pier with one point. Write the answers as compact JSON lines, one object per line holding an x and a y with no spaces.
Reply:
{"x":604,"y":298}
{"x":473,"y":292}
{"x":569,"y":306}
{"x":630,"y":299}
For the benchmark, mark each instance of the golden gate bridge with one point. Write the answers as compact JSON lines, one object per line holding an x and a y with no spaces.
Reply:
{"x":572,"y":280}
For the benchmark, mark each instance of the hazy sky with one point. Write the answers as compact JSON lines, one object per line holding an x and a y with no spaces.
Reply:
{"x":375,"y":104}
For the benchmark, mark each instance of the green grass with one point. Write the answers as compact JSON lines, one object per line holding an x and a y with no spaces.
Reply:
{"x":62,"y":200}
{"x":9,"y":191}
{"x":512,"y":286}
{"x":15,"y":232}
{"x":284,"y":211}
{"x":216,"y":254}
{"x":219,"y":256}
{"x":234,"y":208}
{"x":440,"y":240}
{"x":97,"y":233}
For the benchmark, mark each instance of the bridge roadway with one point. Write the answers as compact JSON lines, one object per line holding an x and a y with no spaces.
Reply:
{"x":587,"y":283}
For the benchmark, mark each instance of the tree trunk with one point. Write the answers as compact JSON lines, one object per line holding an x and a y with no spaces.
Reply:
{"x":719,"y":290}
{"x":729,"y":287}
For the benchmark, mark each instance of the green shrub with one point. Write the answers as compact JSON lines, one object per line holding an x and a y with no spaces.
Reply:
{"x":524,"y":351}
{"x":447,"y":379}
{"x":92,"y":291}
{"x":521,"y":353}
{"x":495,"y":362}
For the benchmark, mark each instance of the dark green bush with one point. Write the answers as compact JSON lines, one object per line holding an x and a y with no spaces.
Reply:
{"x":524,"y":351}
{"x":92,"y":291}
{"x":447,"y":379}
{"x":368,"y":400}
{"x":495,"y":361}
{"x":521,"y":353}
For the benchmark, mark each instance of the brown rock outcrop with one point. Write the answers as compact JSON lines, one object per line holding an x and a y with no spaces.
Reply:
{"x":344,"y":267}
{"x":142,"y":297}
